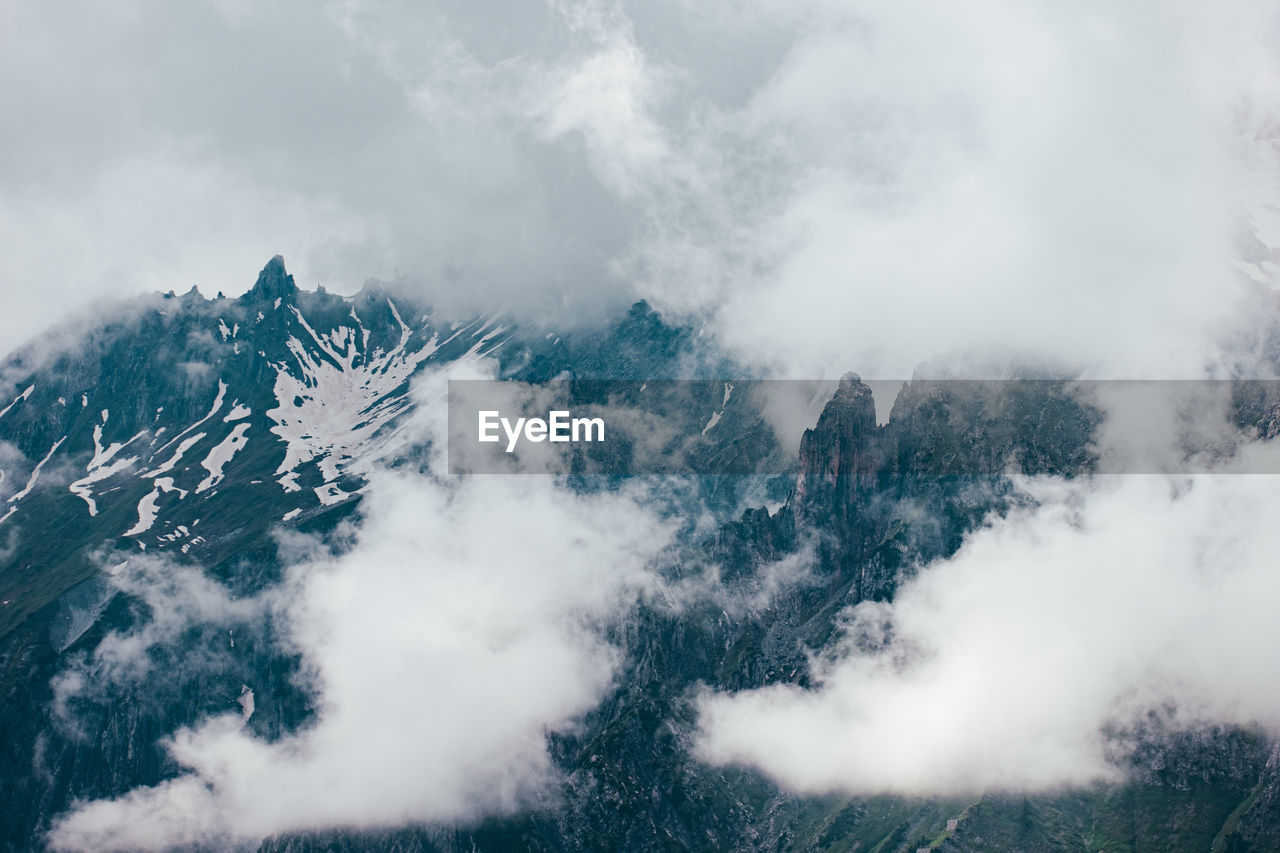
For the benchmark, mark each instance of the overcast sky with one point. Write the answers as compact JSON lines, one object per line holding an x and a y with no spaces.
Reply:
{"x":829,"y":185}
{"x":822,"y":186}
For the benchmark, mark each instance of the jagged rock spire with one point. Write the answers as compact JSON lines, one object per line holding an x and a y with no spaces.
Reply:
{"x":851,"y":410}
{"x":837,"y":453}
{"x":273,"y":283}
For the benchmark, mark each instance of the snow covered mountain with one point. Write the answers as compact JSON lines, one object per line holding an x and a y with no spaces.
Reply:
{"x":184,"y":415}
{"x":204,"y":433}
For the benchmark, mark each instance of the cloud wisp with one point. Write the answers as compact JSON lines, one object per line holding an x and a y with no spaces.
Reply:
{"x":463,"y":625}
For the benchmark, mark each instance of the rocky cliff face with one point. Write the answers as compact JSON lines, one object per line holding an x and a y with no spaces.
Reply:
{"x":197,"y":428}
{"x":838,"y":457}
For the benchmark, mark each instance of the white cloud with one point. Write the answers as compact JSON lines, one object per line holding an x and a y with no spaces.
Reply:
{"x":1002,"y":667}
{"x":832,"y":186}
{"x":462,"y":626}
{"x":152,"y":146}
{"x":915,"y":180}
{"x":177,"y":598}
{"x":608,"y":96}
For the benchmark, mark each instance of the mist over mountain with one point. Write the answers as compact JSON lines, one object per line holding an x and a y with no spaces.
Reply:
{"x":247,"y":608}
{"x":935,"y":355}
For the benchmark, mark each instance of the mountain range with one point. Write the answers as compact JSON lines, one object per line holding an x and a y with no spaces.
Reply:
{"x":213,"y":433}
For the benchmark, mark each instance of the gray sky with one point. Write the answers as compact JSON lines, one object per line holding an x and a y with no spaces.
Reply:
{"x":829,"y":185}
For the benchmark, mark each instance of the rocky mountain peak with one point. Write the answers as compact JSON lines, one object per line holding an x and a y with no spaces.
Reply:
{"x":837,"y":452}
{"x":274,"y":282}
{"x":851,"y":410}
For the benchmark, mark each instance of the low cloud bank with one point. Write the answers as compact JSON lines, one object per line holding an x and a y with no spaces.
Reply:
{"x":1003,"y":667}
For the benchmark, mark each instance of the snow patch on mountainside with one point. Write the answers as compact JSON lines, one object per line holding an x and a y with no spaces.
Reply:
{"x":24,"y":395}
{"x":329,"y":494}
{"x":31,"y":481}
{"x":343,"y":396}
{"x":176,"y":457}
{"x":147,"y":512}
{"x":237,"y":412}
{"x":220,"y":455}
{"x":246,"y":704}
{"x":101,"y":466}
{"x":217,"y":404}
{"x":715,"y":416}
{"x":147,"y":507}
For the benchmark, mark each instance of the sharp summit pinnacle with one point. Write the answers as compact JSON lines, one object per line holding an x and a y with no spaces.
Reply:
{"x":273,"y":282}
